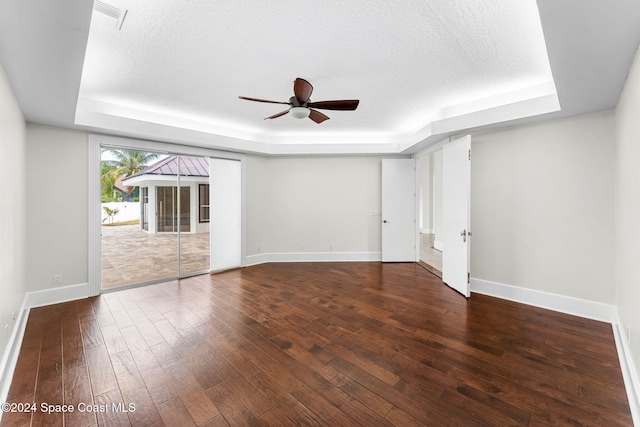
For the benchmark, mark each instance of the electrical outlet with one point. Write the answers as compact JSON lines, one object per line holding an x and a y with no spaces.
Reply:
{"x":57,"y":279}
{"x":330,"y":247}
{"x":258,"y":249}
{"x":628,"y":333}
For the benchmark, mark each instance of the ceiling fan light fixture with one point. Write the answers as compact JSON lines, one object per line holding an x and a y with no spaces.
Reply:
{"x":300,"y":112}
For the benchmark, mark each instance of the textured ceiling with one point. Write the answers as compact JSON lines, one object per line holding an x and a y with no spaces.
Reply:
{"x":375,"y":52}
{"x":410,"y":63}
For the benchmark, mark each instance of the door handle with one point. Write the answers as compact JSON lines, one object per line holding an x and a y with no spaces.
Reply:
{"x":385,"y":221}
{"x":463,"y":233}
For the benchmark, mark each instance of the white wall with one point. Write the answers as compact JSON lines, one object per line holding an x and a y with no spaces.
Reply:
{"x":542,"y":207}
{"x":12,"y":210}
{"x":627,"y":207}
{"x":542,"y":212}
{"x":56,"y":206}
{"x":313,"y":204}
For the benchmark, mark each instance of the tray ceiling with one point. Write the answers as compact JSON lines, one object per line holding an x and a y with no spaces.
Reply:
{"x":423,"y":70}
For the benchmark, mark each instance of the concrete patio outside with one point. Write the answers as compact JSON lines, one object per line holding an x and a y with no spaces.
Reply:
{"x":131,"y":256}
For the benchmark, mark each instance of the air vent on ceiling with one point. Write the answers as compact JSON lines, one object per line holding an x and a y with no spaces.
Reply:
{"x":114,"y":12}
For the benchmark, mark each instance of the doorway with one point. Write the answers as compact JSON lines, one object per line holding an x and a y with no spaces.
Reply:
{"x":430,"y":211}
{"x":153,"y":228}
{"x":445,"y":214}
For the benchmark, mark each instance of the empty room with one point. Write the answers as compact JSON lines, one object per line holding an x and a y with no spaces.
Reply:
{"x":332,"y":213}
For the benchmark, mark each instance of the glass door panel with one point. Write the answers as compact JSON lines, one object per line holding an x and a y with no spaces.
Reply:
{"x":138,"y":250}
{"x":194,"y":226}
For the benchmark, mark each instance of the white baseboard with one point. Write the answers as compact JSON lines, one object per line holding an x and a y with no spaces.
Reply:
{"x":32,"y":300}
{"x":564,"y":304}
{"x":437,"y":245}
{"x":312,"y":257}
{"x":11,"y":352}
{"x":629,"y":372}
{"x":256,"y":259}
{"x":57,"y":295}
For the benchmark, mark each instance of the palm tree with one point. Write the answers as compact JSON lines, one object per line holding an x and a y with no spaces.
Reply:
{"x":107,"y":181}
{"x":127,"y":163}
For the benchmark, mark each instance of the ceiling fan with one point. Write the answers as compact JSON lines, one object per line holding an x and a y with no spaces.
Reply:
{"x":301,"y":106}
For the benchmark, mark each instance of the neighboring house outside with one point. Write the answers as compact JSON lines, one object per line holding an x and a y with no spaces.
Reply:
{"x":120,"y":191}
{"x":161,"y":211}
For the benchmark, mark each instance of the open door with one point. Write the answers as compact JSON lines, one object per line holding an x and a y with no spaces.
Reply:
{"x":456,"y":183}
{"x":398,"y":210}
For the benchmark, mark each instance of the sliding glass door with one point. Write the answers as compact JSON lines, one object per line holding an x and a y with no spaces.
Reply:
{"x":173,"y":211}
{"x":153,"y":227}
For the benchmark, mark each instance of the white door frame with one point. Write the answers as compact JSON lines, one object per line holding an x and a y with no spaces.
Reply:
{"x":95,"y":141}
{"x":431,"y":149}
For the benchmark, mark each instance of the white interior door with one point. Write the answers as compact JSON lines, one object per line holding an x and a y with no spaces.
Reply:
{"x":456,"y":180}
{"x":398,"y":210}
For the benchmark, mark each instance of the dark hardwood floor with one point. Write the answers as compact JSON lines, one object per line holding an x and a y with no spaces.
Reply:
{"x":334,"y":344}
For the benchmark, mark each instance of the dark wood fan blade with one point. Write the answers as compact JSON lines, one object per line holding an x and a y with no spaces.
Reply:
{"x":263,"y":100}
{"x":302,"y":89}
{"x":344,"y":104}
{"x":275,"y":116}
{"x":317,"y":116}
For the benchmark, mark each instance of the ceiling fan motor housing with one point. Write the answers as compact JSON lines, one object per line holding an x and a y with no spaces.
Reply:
{"x":300,"y":112}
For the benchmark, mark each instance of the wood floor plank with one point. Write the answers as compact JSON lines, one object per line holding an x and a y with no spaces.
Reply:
{"x":286,"y":402}
{"x":233,"y":411}
{"x":26,"y":370}
{"x":173,"y":413}
{"x":217,"y":421}
{"x":105,"y":413}
{"x":113,"y":340}
{"x":276,"y":418}
{"x":77,"y":391}
{"x":145,"y":325}
{"x":191,"y":393}
{"x":134,"y":391}
{"x":316,"y":344}
{"x":91,"y":334}
{"x":165,"y":355}
{"x":365,"y":396}
{"x":101,"y":373}
{"x":400,"y":418}
{"x":154,"y":377}
{"x":72,"y":345}
{"x":15,"y":417}
{"x":49,"y":390}
{"x":246,"y":392}
{"x":118,"y":312}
